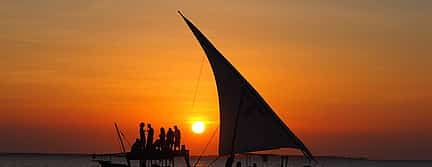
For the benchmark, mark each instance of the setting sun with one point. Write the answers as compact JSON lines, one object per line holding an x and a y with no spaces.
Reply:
{"x":198,"y":127}
{"x":339,"y":78}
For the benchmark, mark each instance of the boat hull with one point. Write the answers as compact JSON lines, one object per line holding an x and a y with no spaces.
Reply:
{"x":110,"y":164}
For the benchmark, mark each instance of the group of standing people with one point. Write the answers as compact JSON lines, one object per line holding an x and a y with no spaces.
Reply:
{"x":167,"y":141}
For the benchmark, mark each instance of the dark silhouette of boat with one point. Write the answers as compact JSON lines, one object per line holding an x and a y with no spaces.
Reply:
{"x":105,"y":163}
{"x":151,"y":158}
{"x":148,"y":158}
{"x":247,"y":123}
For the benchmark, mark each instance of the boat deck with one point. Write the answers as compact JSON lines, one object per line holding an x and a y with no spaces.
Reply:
{"x":163,"y":158}
{"x":156,"y":155}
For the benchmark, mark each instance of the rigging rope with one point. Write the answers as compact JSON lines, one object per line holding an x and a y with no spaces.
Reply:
{"x":211,"y":163}
{"x":197,"y":83}
{"x":126,"y":139}
{"x":193,"y":107}
{"x":205,"y":148}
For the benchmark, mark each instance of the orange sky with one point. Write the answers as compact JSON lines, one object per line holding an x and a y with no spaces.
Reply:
{"x":349,"y":78}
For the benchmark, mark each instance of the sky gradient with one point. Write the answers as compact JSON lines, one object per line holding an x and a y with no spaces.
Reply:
{"x":350,"y":78}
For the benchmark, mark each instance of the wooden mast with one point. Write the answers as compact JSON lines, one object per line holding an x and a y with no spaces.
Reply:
{"x":120,"y":138}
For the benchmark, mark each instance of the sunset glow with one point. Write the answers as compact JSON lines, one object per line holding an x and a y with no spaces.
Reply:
{"x":349,"y":77}
{"x":198,"y":127}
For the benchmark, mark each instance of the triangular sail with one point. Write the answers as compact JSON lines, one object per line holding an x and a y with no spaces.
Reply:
{"x":247,"y":123}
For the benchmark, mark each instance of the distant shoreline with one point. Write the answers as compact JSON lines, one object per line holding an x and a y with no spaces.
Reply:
{"x":43,"y":154}
{"x":192,"y":156}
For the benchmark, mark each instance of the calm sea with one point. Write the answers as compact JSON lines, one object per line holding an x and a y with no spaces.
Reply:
{"x":86,"y":161}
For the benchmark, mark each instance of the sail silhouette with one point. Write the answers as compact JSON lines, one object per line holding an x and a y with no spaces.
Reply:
{"x":247,"y":122}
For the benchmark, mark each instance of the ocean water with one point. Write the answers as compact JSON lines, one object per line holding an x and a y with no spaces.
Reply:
{"x":86,"y":161}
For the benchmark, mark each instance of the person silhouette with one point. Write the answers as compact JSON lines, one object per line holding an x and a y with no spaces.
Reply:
{"x":136,"y":147}
{"x":176,"y":138}
{"x":157,"y":145}
{"x":142,"y":135}
{"x":162,"y":138}
{"x":150,"y":134}
{"x":170,"y":138}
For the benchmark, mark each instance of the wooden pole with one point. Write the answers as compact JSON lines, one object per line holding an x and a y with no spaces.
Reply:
{"x":120,"y":138}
